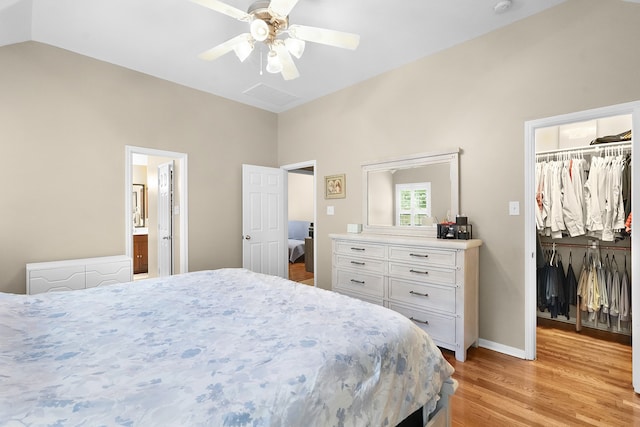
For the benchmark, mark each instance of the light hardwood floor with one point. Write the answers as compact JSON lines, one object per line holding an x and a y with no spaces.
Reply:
{"x":577,"y":380}
{"x":297,"y":272}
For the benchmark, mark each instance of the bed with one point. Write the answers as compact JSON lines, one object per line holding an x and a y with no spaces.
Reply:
{"x":298,"y":230}
{"x":225,"y":347}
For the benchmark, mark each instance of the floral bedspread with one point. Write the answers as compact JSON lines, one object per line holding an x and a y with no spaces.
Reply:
{"x":214,"y":348}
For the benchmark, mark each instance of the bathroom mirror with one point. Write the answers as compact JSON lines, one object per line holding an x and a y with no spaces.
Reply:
{"x":138,"y":205}
{"x":410,"y":195}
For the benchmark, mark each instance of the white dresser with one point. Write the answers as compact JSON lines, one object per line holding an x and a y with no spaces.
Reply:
{"x":74,"y":274}
{"x":433,"y":282}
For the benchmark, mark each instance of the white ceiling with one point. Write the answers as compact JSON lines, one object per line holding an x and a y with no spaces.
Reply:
{"x":163,"y":38}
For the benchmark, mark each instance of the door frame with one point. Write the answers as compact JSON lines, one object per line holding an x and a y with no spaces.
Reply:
{"x":632,"y":108}
{"x":182,"y":158}
{"x":162,"y":266}
{"x":301,"y":165}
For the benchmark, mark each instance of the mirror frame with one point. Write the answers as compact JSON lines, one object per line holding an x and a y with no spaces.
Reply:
{"x":140,"y":196}
{"x":449,"y":156}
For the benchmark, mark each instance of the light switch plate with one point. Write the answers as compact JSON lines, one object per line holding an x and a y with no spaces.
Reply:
{"x":330,"y":210}
{"x":514,"y":208}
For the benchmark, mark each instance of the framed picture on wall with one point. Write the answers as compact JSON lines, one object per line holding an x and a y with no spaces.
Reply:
{"x":335,"y":187}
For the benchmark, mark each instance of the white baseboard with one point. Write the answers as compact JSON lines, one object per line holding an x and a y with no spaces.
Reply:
{"x":501,"y":348}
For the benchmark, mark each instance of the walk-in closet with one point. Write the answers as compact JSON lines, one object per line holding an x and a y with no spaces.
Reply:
{"x":584,"y":224}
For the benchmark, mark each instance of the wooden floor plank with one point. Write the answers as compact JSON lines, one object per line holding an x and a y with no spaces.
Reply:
{"x":298,"y":273}
{"x":577,"y":380}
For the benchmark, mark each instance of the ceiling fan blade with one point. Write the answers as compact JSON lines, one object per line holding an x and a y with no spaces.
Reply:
{"x":289,"y":69}
{"x":324,"y":36}
{"x":281,"y":8}
{"x":224,"y":48}
{"x":224,"y":8}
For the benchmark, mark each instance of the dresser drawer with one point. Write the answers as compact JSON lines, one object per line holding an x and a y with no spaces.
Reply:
{"x":422,"y":255}
{"x":439,"y":327}
{"x":423,"y":273}
{"x":361,"y":249}
{"x":439,"y":297}
{"x":370,"y":265}
{"x":367,"y":298}
{"x":359,"y":282}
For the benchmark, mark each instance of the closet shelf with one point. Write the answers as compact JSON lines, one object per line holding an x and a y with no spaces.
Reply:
{"x":625,"y":146}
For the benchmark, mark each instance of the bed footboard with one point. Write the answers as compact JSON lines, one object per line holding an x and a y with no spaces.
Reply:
{"x":441,"y":416}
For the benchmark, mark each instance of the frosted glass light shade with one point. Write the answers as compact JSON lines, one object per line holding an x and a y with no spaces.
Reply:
{"x":243,"y":50}
{"x":295,"y":46}
{"x":259,"y":30}
{"x":274,"y":65}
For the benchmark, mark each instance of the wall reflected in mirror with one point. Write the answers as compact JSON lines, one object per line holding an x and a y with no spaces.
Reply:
{"x":138,"y":205}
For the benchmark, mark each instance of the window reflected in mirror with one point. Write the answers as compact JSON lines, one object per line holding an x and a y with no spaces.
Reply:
{"x":418,"y":196}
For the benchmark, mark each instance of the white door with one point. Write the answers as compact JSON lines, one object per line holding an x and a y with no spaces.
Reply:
{"x":165,"y":219}
{"x":264,"y":247}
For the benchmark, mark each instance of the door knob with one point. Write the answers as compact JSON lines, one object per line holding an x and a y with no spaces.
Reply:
{"x":247,"y":237}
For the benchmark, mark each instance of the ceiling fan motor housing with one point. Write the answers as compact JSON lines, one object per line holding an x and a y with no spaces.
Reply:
{"x":260,"y":10}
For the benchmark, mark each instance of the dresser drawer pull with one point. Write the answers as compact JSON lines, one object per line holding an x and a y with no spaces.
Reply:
{"x":425,"y":322}
{"x":358,"y":249}
{"x":419,"y":255}
{"x":357,"y":263}
{"x":417,"y":271}
{"x":359,"y":282}
{"x":418,"y":293}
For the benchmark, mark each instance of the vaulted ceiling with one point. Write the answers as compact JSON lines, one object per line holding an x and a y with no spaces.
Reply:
{"x":163,"y":38}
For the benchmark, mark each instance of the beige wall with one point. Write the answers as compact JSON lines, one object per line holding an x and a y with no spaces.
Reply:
{"x":64,"y":122}
{"x":580,"y":55}
{"x":300,"y":196}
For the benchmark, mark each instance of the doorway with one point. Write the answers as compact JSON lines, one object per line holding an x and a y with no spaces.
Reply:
{"x":141,"y":164}
{"x":301,"y":229}
{"x":530,"y":225}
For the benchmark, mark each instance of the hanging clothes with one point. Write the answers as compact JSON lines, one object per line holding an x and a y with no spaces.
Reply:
{"x":582,"y":285}
{"x":575,"y":197}
{"x":571,"y":287}
{"x":614,"y":300}
{"x":625,"y":297}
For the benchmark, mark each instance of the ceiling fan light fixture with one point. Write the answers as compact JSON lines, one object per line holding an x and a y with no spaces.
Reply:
{"x":274,"y":65}
{"x":295,"y":46}
{"x":259,"y":30}
{"x":243,"y":49}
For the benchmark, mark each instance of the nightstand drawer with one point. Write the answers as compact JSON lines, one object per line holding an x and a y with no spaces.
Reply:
{"x":422,"y":255}
{"x":441,"y":328}
{"x":363,"y":283}
{"x":423,"y":273}
{"x":428,"y":296}
{"x":360,"y":249}
{"x":370,"y":265}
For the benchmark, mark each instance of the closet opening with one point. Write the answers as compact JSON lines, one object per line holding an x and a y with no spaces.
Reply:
{"x":578,"y":246}
{"x":301,"y":184}
{"x":583,"y":200}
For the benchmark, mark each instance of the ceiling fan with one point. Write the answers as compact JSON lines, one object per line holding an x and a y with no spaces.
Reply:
{"x":269,"y":24}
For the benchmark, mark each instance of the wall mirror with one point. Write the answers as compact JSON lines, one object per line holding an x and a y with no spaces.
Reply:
{"x":138,"y":205}
{"x":410,"y":195}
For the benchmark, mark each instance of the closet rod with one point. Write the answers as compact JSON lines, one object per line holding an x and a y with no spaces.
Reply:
{"x":590,"y":149}
{"x":575,"y":245}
